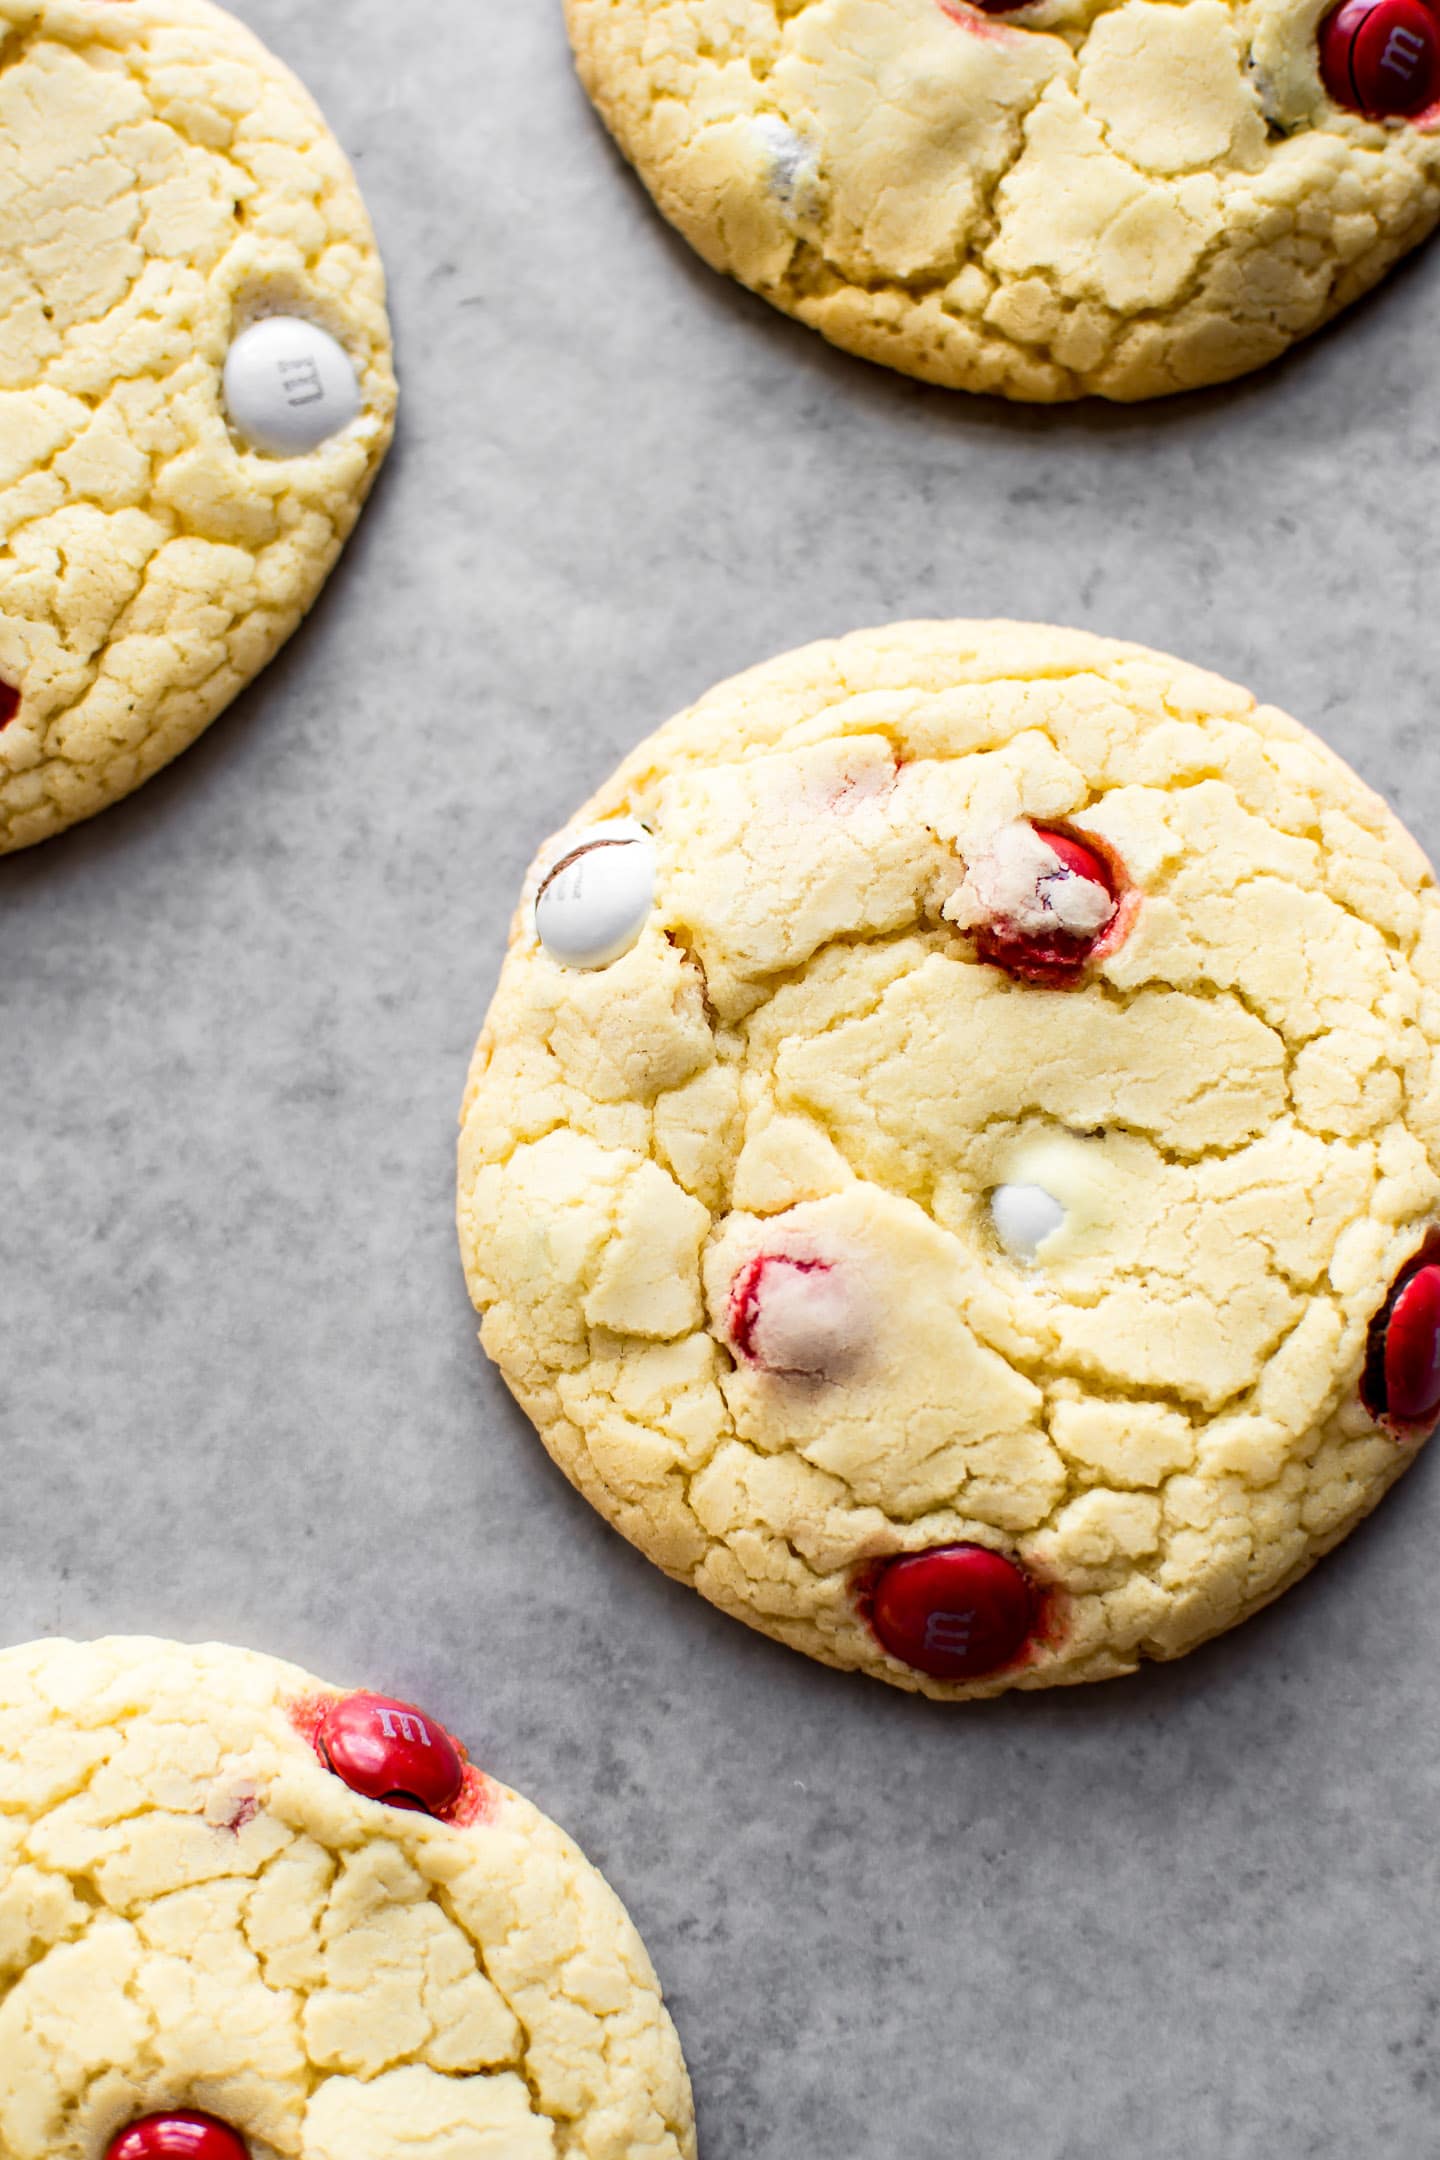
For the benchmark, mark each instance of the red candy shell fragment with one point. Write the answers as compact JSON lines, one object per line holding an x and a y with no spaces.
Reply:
{"x":182,"y":2135}
{"x":957,"y":1613}
{"x":1412,"y":1351}
{"x":391,"y":1751}
{"x":1381,"y":57}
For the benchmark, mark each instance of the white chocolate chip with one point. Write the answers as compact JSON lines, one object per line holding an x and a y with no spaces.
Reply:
{"x":593,"y":905}
{"x":1024,"y":1217}
{"x":289,"y":386}
{"x":1019,"y":880}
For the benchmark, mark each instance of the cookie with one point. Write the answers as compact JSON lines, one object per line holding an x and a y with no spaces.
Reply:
{"x":1044,"y":201}
{"x":246,"y":1917}
{"x":967,"y":1207}
{"x":195,"y":385}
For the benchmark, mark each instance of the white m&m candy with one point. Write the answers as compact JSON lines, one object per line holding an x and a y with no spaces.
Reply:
{"x":289,"y":386}
{"x":1024,"y":1216}
{"x":593,"y":905}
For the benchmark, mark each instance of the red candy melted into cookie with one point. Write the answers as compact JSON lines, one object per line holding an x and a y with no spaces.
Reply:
{"x":958,"y":1613}
{"x":183,"y":2135}
{"x":1038,"y":902}
{"x":792,"y":1316}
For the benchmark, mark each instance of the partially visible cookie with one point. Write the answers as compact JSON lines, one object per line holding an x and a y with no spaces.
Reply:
{"x":952,"y":1167}
{"x":1117,"y":197}
{"x":244,"y":1916}
{"x":195,"y":385}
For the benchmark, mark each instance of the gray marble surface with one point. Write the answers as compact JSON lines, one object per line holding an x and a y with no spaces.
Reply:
{"x":1192,"y":1915}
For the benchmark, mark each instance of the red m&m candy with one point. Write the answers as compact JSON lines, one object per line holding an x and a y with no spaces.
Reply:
{"x":9,"y":703}
{"x":957,"y":1613}
{"x":1069,"y":910}
{"x":391,"y":1751}
{"x":183,"y":2135}
{"x":1411,"y":1368}
{"x":1381,"y":57}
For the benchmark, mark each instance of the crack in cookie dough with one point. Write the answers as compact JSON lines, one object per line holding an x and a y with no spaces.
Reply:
{"x":803,"y":1082}
{"x":164,"y":182}
{"x":1125,"y":199}
{"x":195,"y":1914}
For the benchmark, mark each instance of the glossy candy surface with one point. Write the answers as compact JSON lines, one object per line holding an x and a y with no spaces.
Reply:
{"x":1412,"y":1351}
{"x":289,"y":386}
{"x":391,"y":1751}
{"x":957,"y":1613}
{"x":1381,"y":57}
{"x":594,"y":903}
{"x":181,"y":2135}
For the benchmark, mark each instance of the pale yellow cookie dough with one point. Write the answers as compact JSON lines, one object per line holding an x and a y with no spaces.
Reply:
{"x":163,"y":181}
{"x":1238,"y":1113}
{"x":1121,"y":199}
{"x":194,"y":1913}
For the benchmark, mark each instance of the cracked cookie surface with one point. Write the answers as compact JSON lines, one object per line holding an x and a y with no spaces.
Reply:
{"x":166,"y":181}
{"x":809,"y":1235}
{"x":195,"y":1914}
{"x":1114,"y":197}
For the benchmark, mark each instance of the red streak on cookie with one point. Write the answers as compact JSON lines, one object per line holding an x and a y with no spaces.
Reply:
{"x":477,"y":1801}
{"x":858,"y":789}
{"x":1056,"y":959}
{"x":181,"y":2135}
{"x":1382,"y":57}
{"x":307,"y":1714}
{"x":245,"y":1810}
{"x":961,"y":1612}
{"x":9,"y":703}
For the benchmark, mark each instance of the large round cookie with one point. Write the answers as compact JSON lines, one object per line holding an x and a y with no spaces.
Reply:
{"x":198,"y":1914}
{"x":1005,"y":1137}
{"x":165,"y":184}
{"x":1069,"y":197}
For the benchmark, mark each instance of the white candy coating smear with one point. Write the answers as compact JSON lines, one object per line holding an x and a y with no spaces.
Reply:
{"x":793,"y":168}
{"x":593,"y":906}
{"x":803,"y":1322}
{"x":1024,"y":1216}
{"x":289,"y":386}
{"x":1020,"y":881}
